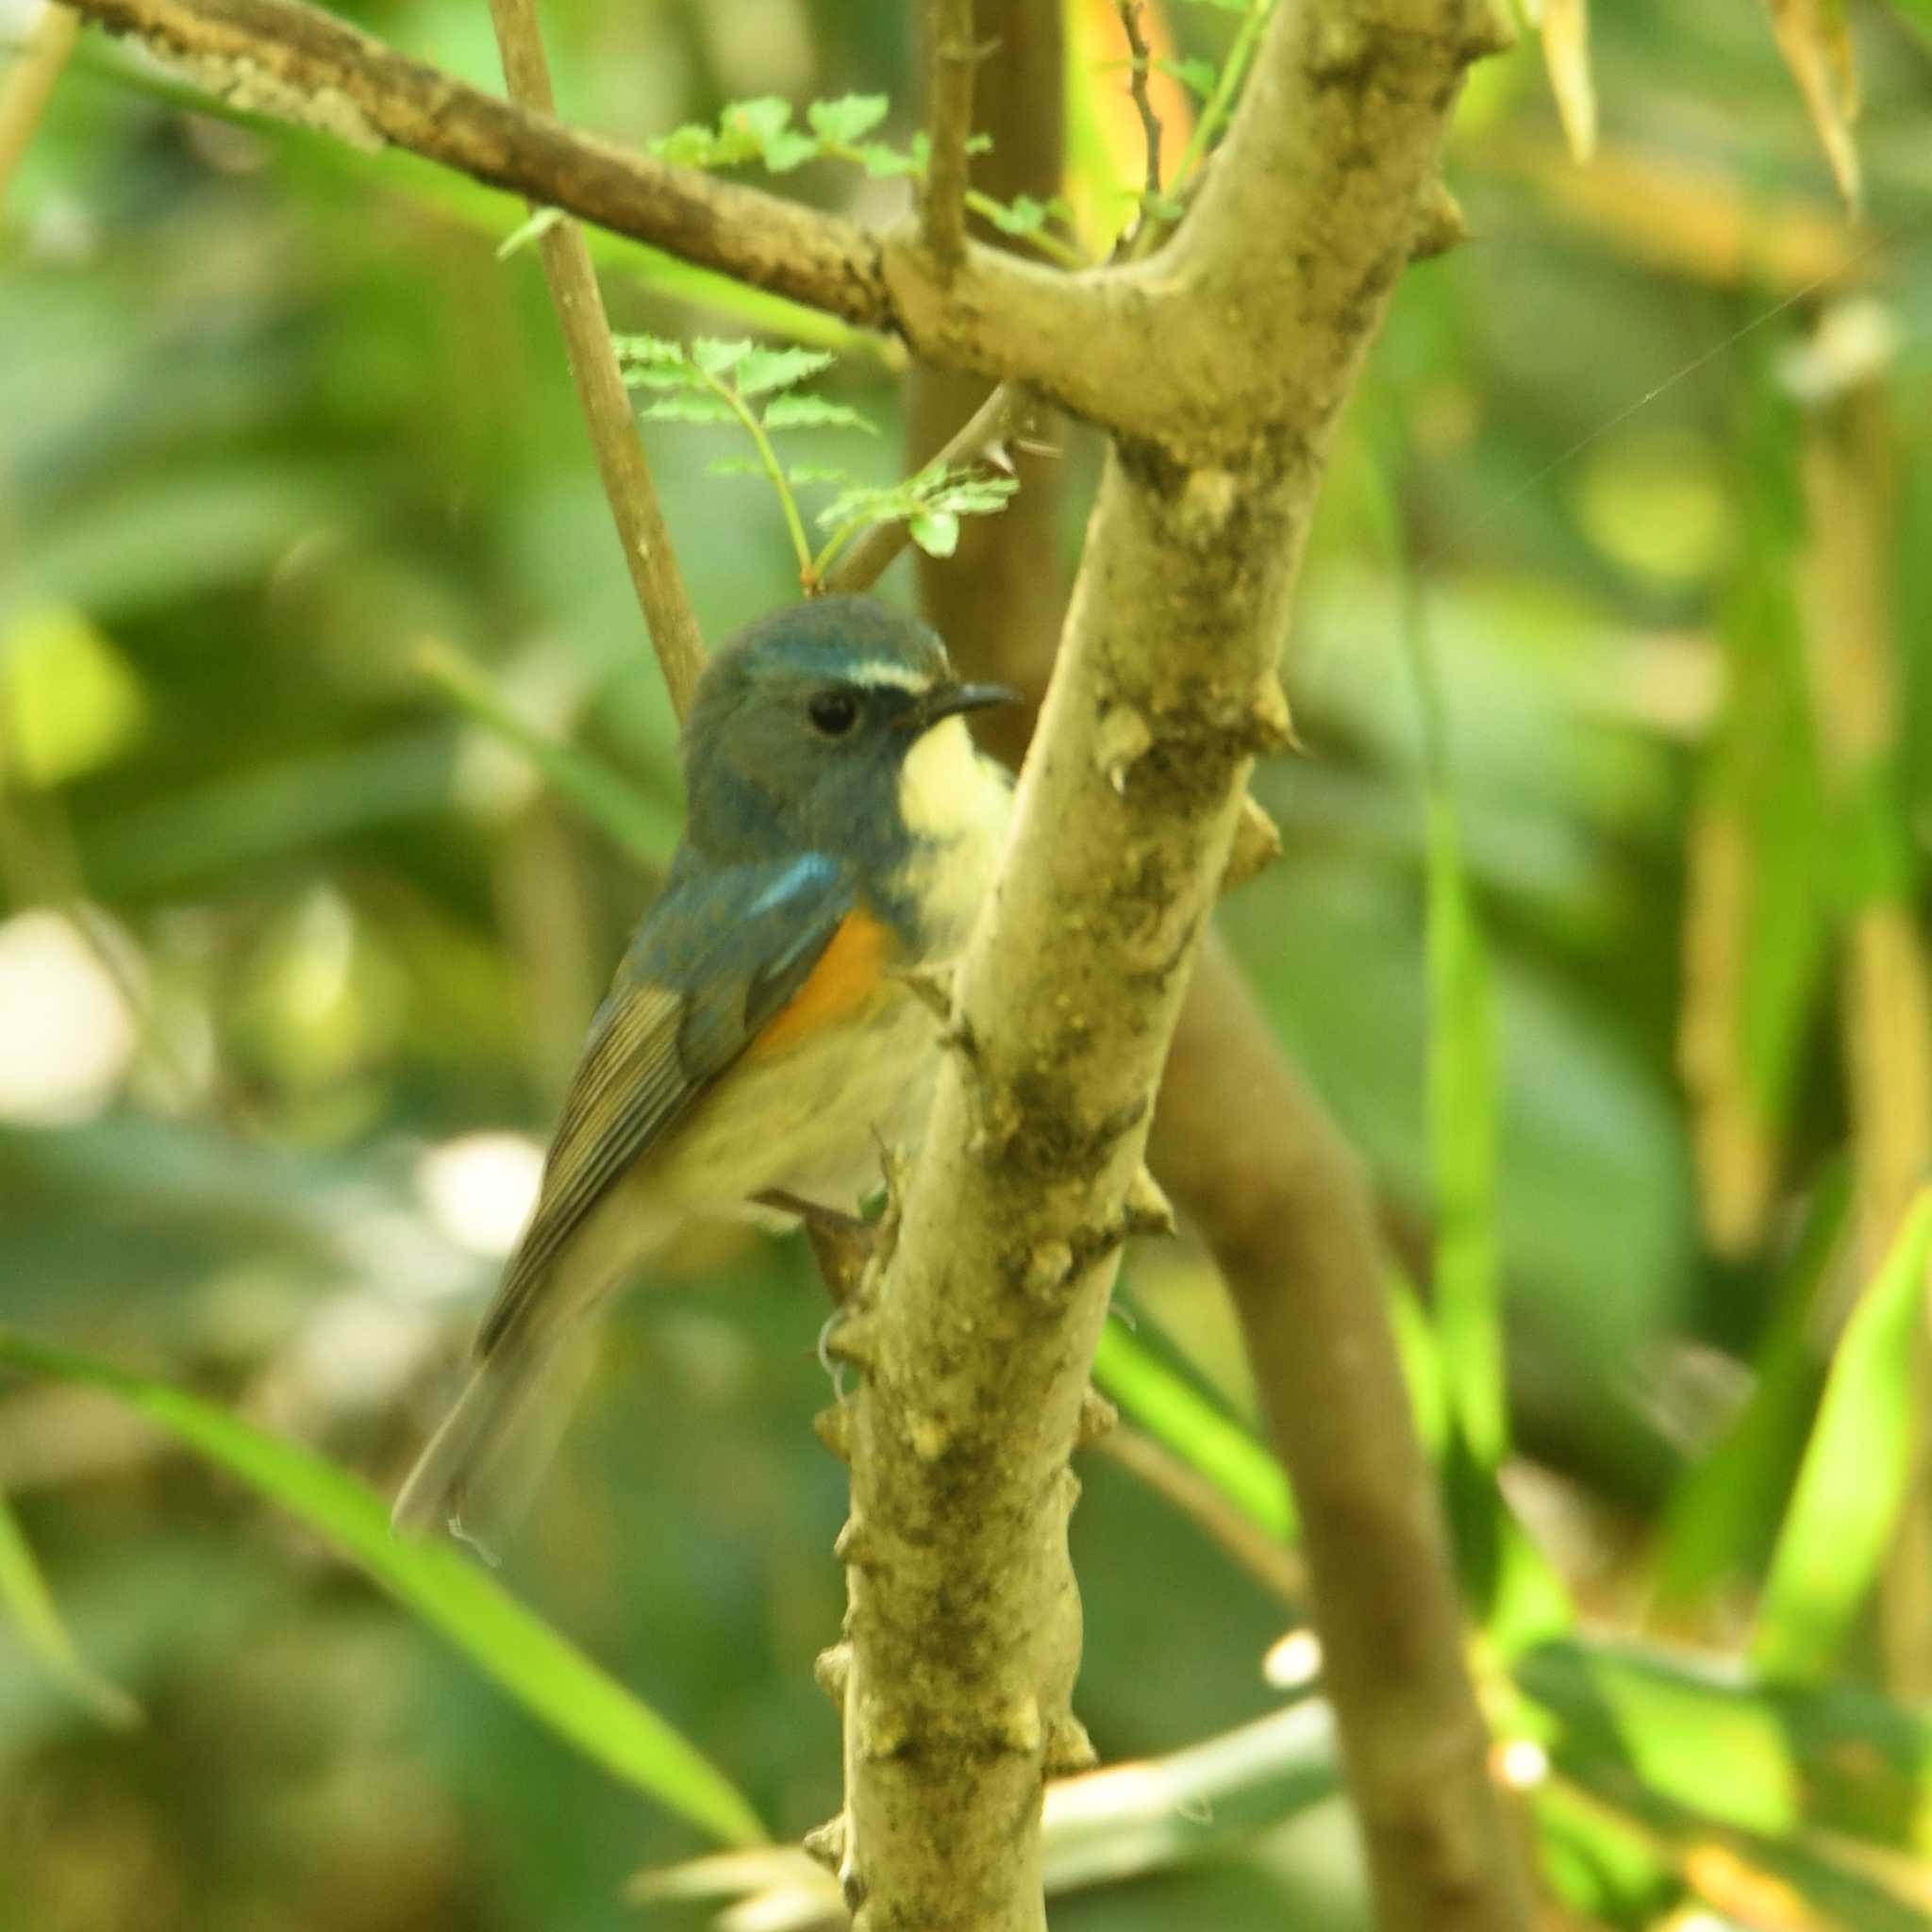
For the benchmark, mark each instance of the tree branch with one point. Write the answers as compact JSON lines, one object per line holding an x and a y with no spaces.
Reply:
{"x":1352,"y":101}
{"x":628,"y":489}
{"x":999,"y":421}
{"x":950,"y":59}
{"x":1286,"y":1210}
{"x":1437,"y":1845}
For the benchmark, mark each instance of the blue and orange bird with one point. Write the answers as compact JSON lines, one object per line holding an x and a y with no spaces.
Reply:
{"x":759,"y":1037}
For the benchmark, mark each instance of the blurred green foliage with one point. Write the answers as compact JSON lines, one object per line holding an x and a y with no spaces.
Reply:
{"x":332,"y":773}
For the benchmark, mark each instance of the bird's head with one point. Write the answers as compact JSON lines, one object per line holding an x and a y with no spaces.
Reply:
{"x":835,"y":726}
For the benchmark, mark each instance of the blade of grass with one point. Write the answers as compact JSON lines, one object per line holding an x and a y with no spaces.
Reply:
{"x":30,"y":1603}
{"x":1721,"y":1520}
{"x":1701,"y":1731}
{"x":1212,"y":1443}
{"x":1857,"y":1465}
{"x":616,"y":807}
{"x":547,"y":1674}
{"x":1463,"y":1080}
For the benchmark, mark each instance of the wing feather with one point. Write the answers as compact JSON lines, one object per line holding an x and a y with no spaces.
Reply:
{"x":690,"y":997}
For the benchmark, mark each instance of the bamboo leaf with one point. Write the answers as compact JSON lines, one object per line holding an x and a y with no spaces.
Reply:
{"x":541,"y":1670}
{"x":605,"y":799}
{"x":1209,"y":1441}
{"x":1815,"y":40}
{"x":1855,"y":1469}
{"x":1721,"y":1520}
{"x":29,"y":1604}
{"x":1566,"y":53}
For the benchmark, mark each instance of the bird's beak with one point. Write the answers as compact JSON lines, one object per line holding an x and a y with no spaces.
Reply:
{"x":949,"y":700}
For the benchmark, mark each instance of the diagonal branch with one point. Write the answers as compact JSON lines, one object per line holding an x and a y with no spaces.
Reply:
{"x":1349,"y":119}
{"x":1285,"y":1208}
{"x":992,"y":314}
{"x":628,"y":487}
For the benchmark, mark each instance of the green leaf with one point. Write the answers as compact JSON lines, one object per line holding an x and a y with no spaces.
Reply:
{"x":1697,"y":1729}
{"x":936,"y":531}
{"x":762,"y":119}
{"x":813,"y":412}
{"x":1720,"y":1523}
{"x":846,"y":121}
{"x":538,"y":224}
{"x":1855,"y":1469}
{"x":29,"y":1603}
{"x":545,"y":1672}
{"x":1198,"y":76}
{"x":691,"y":146}
{"x":885,"y":163}
{"x":1212,"y":1443}
{"x":789,"y":150}
{"x":1023,"y":215}
{"x":761,"y":370}
{"x":684,"y":408}
{"x":1463,"y":1118}
{"x":717,"y":357}
{"x":656,"y":362}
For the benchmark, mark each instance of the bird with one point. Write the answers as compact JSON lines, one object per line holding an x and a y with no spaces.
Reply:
{"x":760,"y":1036}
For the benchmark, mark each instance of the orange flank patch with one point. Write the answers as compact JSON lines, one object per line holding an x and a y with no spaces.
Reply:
{"x":847,"y":975}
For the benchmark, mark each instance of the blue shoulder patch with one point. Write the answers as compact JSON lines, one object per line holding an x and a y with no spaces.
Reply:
{"x":813,"y":873}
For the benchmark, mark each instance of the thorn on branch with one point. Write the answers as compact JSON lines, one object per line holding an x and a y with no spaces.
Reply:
{"x":826,"y":1843}
{"x":833,"y":1427}
{"x":1274,"y":724}
{"x":1098,"y":1418}
{"x":854,"y":1547}
{"x":1257,"y":846}
{"x":832,"y":1668}
{"x":1146,"y":1210}
{"x":1440,"y":224}
{"x":1124,"y":737}
{"x":1069,"y":1749}
{"x":1488,"y":31}
{"x":850,"y":1337}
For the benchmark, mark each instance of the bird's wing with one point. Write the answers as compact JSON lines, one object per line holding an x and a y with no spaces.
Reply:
{"x":715,"y":961}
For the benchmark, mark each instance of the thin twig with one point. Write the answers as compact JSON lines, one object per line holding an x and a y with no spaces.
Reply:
{"x":996,"y":422}
{"x":950,"y":59}
{"x":29,"y":85}
{"x":1138,"y":68}
{"x":1272,"y":1563}
{"x":627,"y":485}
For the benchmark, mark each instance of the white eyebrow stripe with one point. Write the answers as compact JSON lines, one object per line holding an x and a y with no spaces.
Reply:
{"x":875,"y":672}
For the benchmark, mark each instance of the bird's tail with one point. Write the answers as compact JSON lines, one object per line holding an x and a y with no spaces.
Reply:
{"x":482,"y":1467}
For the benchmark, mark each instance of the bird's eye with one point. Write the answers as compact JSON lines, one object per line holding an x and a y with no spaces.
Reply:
{"x":833,"y":712}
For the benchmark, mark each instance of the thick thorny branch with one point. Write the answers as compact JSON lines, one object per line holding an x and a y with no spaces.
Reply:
{"x":978,"y":1338}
